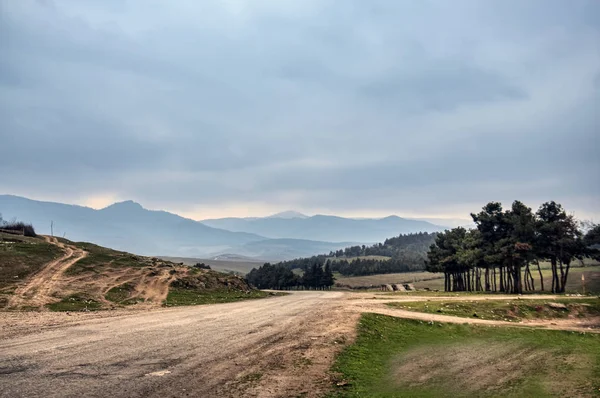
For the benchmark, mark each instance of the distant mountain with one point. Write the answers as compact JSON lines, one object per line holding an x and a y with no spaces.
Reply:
{"x":325,"y":228}
{"x":287,"y":215}
{"x":286,"y":249}
{"x":125,"y":226}
{"x":449,"y":222}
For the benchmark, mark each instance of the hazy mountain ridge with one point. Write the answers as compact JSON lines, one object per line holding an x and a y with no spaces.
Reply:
{"x":325,"y":228}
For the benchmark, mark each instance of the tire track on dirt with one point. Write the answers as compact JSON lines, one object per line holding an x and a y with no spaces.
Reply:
{"x":38,"y":290}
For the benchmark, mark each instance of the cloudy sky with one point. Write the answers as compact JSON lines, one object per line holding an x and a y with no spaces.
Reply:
{"x":247,"y":107}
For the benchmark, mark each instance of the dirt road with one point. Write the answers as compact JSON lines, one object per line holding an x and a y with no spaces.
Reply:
{"x":39,"y":288}
{"x":272,"y":347}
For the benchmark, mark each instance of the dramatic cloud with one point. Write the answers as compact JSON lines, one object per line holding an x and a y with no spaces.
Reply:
{"x":254,"y":106}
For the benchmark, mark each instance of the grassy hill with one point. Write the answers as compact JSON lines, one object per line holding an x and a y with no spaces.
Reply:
{"x":103,"y":278}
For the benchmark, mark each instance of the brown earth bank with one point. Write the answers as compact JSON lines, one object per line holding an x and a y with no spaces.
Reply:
{"x":82,"y":275}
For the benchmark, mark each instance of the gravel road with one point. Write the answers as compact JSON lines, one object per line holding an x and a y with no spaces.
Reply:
{"x":269,"y":347}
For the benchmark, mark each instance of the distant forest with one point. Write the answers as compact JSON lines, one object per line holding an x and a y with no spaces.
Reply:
{"x":404,"y":253}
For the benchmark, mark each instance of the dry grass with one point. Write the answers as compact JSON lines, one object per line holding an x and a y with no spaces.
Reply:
{"x":376,"y":281}
{"x":486,"y":367}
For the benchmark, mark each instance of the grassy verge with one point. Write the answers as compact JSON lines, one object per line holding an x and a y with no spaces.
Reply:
{"x":101,"y":257}
{"x":75,"y":302}
{"x":509,"y":310}
{"x":180,"y":296}
{"x":395,"y":357}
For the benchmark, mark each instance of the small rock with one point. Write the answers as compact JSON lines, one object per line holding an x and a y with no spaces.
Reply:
{"x":558,"y":306}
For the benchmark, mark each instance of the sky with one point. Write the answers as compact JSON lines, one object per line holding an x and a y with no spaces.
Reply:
{"x":349,"y":107}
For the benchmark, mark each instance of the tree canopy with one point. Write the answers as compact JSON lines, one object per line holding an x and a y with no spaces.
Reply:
{"x":505,"y":243}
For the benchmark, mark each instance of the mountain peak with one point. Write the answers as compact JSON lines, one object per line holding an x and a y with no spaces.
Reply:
{"x":288,"y":214}
{"x":125,"y":205}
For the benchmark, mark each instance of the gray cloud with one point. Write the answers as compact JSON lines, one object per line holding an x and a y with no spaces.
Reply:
{"x":351,"y":106}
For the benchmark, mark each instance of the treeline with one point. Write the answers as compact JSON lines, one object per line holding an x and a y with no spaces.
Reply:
{"x":498,"y":254}
{"x":277,"y":276}
{"x":407,"y":243}
{"x":405,"y":262}
{"x":406,"y":253}
{"x":17,"y":227}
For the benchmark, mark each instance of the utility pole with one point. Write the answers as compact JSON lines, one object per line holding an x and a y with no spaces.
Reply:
{"x":52,"y":228}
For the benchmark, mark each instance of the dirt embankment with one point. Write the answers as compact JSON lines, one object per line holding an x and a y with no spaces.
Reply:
{"x":104,"y":278}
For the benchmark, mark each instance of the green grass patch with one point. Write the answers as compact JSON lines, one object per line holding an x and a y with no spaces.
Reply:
{"x":181,"y":296}
{"x":100,"y":258}
{"x":22,"y":256}
{"x":395,"y":357}
{"x":507,"y":310}
{"x":121,"y":294}
{"x":75,"y":302}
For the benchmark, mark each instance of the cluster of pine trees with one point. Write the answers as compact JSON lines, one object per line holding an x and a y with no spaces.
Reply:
{"x":407,"y":253}
{"x":405,"y":262}
{"x":280,"y":277}
{"x":506,"y":243}
{"x":417,"y":243}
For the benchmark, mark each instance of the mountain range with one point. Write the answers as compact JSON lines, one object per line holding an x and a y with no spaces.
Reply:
{"x":130,"y":227}
{"x":325,"y":228}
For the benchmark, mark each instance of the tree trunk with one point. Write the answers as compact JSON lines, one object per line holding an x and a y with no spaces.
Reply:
{"x":564,"y":281}
{"x":532,"y":281}
{"x":518,"y":285}
{"x":554,"y":275}
{"x":561,"y":286}
{"x":541,"y":276}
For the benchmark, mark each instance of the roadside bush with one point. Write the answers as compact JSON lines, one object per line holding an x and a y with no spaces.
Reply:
{"x":18,"y":227}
